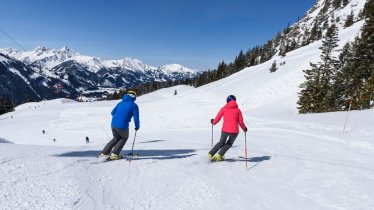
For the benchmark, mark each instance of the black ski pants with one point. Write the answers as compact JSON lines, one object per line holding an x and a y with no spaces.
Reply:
{"x":222,"y":145}
{"x":115,"y":145}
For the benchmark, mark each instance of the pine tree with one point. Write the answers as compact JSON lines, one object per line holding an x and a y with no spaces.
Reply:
{"x":345,"y":2}
{"x":362,"y":60}
{"x":342,"y":79}
{"x":368,"y":36}
{"x":329,"y":66}
{"x":349,"y":20}
{"x":273,"y":67}
{"x":348,"y":78}
{"x":240,"y":62}
{"x":115,"y":96}
{"x":326,"y":7}
{"x":317,"y":93}
{"x":337,"y":3}
{"x":310,"y":97}
{"x":368,"y":28}
{"x":221,"y":71}
{"x":368,"y":95}
{"x":6,"y":105}
{"x":314,"y":33}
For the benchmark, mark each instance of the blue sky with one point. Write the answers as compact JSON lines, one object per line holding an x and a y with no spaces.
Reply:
{"x":195,"y":33}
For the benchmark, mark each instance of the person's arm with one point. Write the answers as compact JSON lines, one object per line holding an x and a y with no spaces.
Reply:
{"x":136,"y":117}
{"x":114,"y":110}
{"x":241,"y":122}
{"x":219,"y":116}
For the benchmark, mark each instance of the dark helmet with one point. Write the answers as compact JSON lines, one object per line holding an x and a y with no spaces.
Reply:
{"x":132,"y":94}
{"x":230,"y":98}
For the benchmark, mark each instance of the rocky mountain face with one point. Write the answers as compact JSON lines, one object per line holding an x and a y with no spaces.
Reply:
{"x":312,"y":27}
{"x":44,"y":73}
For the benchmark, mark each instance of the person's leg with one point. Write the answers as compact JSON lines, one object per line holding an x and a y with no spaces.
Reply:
{"x":121,"y":143}
{"x":108,"y":148}
{"x":229,"y":143}
{"x":219,"y":144}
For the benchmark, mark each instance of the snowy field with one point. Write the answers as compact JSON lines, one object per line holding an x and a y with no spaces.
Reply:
{"x":295,"y":161}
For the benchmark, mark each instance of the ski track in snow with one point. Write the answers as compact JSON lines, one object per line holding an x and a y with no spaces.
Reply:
{"x":293,"y":167}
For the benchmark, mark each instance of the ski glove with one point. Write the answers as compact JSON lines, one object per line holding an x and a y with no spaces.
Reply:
{"x":245,"y":129}
{"x":136,"y":129}
{"x":211,"y":121}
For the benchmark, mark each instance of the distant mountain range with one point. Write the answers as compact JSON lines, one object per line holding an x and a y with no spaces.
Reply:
{"x":44,"y":73}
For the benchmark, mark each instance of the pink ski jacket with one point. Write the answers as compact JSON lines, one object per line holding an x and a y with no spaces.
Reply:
{"x":232,"y":117}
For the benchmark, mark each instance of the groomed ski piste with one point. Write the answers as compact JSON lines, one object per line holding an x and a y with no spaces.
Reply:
{"x":294,"y":161}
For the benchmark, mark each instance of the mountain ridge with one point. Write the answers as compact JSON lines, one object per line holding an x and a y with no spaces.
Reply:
{"x":77,"y":74}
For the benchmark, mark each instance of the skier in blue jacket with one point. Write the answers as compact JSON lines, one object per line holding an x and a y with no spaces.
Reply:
{"x":122,"y":114}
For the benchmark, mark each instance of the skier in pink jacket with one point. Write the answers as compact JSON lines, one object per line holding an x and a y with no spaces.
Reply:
{"x":232,"y":119}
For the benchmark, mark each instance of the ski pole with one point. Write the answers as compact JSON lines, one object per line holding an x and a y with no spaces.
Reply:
{"x":212,"y":137}
{"x":133,"y":142}
{"x":246,"y":156}
{"x":132,"y":149}
{"x":349,"y":109}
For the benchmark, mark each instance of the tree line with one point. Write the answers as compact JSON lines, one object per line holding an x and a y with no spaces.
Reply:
{"x":6,"y":105}
{"x":281,"y":44}
{"x":334,"y":82}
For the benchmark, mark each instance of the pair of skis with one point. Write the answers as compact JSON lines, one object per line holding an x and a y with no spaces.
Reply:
{"x":129,"y":156}
{"x":229,"y":159}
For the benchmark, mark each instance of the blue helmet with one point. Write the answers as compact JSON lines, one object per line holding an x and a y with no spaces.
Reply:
{"x":230,"y":98}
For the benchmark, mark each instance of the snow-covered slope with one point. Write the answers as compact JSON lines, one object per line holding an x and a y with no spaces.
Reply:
{"x":295,"y":161}
{"x":258,"y":88}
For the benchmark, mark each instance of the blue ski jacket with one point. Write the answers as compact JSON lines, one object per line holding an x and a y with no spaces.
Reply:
{"x":123,"y":112}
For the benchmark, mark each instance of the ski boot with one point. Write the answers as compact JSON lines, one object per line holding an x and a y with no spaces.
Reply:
{"x":218,"y":157}
{"x":115,"y":157}
{"x":103,"y":156}
{"x":210,"y":156}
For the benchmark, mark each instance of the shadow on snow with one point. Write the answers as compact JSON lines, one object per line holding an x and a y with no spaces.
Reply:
{"x":144,"y":154}
{"x":252,"y":159}
{"x":257,"y":160}
{"x":152,"y":141}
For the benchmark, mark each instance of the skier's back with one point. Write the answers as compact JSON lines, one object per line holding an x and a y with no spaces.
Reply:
{"x":232,"y":119}
{"x":122,"y":114}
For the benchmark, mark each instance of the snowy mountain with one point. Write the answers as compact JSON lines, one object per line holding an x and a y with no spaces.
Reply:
{"x":316,"y":21}
{"x":21,"y":82}
{"x":78,"y":73}
{"x":50,"y":58}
